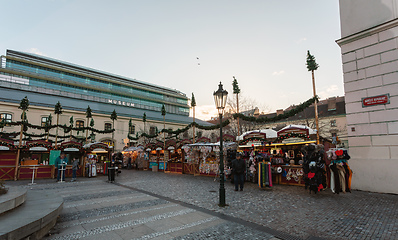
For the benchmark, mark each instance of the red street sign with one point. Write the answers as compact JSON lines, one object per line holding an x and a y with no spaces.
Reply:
{"x":376,"y":100}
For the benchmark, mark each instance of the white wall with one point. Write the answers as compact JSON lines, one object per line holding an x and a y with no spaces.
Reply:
{"x":358,"y":15}
{"x":369,"y":50}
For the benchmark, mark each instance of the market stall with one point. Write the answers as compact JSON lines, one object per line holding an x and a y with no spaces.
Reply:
{"x":283,"y":151}
{"x":174,"y":157}
{"x":206,"y":156}
{"x":97,"y":156}
{"x":35,"y":160}
{"x":136,"y":155}
{"x":73,"y":150}
{"x":8,"y":154}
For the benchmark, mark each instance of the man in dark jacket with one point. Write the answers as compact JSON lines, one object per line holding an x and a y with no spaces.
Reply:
{"x":239,"y":169}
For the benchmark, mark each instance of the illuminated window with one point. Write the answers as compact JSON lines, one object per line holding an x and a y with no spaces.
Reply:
{"x":43,"y":121}
{"x":7,"y":118}
{"x":152,"y":130}
{"x":108,"y":126}
{"x":132,"y":129}
{"x":79,"y":124}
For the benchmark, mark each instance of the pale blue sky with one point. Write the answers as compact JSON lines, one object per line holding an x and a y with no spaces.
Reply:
{"x":262,"y":43}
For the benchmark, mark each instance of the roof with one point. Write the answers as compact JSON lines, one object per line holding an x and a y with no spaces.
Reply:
{"x":269,"y":133}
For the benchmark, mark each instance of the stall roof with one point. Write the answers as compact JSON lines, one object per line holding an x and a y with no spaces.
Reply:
{"x":301,"y":127}
{"x":199,"y":144}
{"x":269,"y":133}
{"x":132,"y":149}
{"x":278,"y":144}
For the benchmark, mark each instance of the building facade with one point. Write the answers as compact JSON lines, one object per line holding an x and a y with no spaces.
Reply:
{"x":45,"y":81}
{"x":369,"y":48}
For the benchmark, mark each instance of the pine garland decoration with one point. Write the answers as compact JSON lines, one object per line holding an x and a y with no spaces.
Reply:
{"x":285,"y":115}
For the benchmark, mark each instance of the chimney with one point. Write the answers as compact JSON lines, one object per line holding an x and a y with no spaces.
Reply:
{"x":279,"y":112}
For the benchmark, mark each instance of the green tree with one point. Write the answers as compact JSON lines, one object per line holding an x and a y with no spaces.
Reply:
{"x":48,"y":124}
{"x":88,"y":116}
{"x":113,"y":118}
{"x":312,"y":66}
{"x":193,"y":105}
{"x":164,"y":127}
{"x":236,"y":90}
{"x":58,"y":111}
{"x":23,"y":105}
{"x":71,"y":127}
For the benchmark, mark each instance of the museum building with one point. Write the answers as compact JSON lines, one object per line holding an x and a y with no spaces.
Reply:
{"x":46,"y":81}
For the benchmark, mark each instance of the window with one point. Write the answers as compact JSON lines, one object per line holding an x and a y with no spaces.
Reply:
{"x":132,"y":129}
{"x":333,"y":123}
{"x":152,"y":130}
{"x":7,"y":118}
{"x":200,"y":134}
{"x":43,"y":121}
{"x":185,"y":135}
{"x":108,"y":126}
{"x":79,"y":123}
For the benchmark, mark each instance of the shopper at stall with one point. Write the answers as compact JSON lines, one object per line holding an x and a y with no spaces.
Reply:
{"x":239,"y":169}
{"x":60,"y":164}
{"x":75,"y":167}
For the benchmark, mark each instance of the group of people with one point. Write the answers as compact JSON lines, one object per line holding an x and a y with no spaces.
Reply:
{"x":60,"y":163}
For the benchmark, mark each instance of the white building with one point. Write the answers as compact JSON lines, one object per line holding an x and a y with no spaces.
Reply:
{"x":369,"y":48}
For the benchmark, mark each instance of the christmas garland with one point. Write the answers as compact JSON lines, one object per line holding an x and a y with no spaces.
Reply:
{"x":290,"y":135}
{"x":52,"y":135}
{"x":7,"y":143}
{"x":253,"y":139}
{"x":66,"y":128}
{"x":279,"y":117}
{"x":179,"y":131}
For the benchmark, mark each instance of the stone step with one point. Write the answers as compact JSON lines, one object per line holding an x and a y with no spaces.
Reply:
{"x":32,"y":219}
{"x":12,"y":199}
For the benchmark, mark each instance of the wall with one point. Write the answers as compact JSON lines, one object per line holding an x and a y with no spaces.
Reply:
{"x":369,"y":50}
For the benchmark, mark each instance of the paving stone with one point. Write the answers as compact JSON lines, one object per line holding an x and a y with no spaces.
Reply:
{"x":283,"y":212}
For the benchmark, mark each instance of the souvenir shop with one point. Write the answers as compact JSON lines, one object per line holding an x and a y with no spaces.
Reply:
{"x":134,"y":157}
{"x":281,"y":158}
{"x":73,"y":150}
{"x":156,"y":156}
{"x":207,"y":156}
{"x":97,"y":157}
{"x":176,"y":164}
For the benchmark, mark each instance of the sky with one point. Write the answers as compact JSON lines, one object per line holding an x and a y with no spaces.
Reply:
{"x":190,"y":45}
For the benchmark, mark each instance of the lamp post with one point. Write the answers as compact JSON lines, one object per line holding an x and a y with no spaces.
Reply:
{"x":220,"y":98}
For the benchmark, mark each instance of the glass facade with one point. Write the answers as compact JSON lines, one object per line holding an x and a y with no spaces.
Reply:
{"x":85,"y":84}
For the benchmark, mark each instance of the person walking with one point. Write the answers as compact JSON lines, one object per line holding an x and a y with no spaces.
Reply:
{"x":239,"y":169}
{"x":75,"y":167}
{"x":60,"y":164}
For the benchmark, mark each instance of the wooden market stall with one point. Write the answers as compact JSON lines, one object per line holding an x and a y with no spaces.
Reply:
{"x":96,"y":158}
{"x":35,"y":157}
{"x":283,"y":152}
{"x":137,"y":157}
{"x":174,"y":157}
{"x":8,"y":154}
{"x":206,"y":156}
{"x":73,"y":150}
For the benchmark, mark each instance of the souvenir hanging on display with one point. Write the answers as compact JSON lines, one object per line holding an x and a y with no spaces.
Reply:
{"x":314,"y":167}
{"x":340,"y":172}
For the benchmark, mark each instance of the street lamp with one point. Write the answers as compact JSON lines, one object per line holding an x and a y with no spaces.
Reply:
{"x":220,"y":98}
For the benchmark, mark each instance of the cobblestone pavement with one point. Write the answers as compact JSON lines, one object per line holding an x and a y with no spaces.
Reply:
{"x":288,"y":209}
{"x":155,"y":205}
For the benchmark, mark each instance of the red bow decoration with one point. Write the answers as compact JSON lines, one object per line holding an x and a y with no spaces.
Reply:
{"x":339,"y":152}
